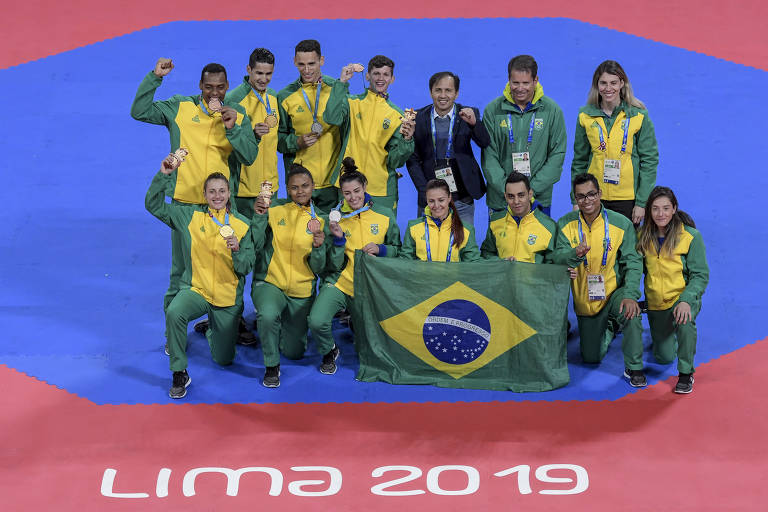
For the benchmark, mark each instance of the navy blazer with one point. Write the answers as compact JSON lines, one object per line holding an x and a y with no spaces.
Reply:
{"x":421,"y":164}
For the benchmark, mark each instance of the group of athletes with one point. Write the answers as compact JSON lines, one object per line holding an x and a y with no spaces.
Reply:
{"x":341,"y":153}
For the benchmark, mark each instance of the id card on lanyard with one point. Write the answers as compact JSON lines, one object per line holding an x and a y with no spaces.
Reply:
{"x":612,"y":167}
{"x":445,"y":173}
{"x":521,"y":160}
{"x":596,"y":282}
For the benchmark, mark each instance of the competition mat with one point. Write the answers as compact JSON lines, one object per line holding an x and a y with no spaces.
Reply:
{"x":87,"y":423}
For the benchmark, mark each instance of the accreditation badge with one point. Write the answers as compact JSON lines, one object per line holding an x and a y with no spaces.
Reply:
{"x":446,"y":174}
{"x":612,"y":171}
{"x":596,"y":286}
{"x":521,"y":162}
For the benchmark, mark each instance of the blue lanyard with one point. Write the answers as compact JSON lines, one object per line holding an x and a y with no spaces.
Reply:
{"x":317,"y":99}
{"x":606,"y":240}
{"x":449,"y":147}
{"x":624,"y":141}
{"x":429,"y":249}
{"x":226,"y":219}
{"x":358,"y":211}
{"x":530,"y":130}
{"x":311,"y":209}
{"x":266,"y":104}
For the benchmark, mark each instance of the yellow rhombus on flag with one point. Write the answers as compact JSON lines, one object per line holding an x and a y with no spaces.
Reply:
{"x":506,"y":330}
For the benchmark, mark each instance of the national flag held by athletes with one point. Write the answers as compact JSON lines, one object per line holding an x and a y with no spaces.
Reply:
{"x":485,"y":325}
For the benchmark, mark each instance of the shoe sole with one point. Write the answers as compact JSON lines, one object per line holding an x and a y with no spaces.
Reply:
{"x":272,"y":385}
{"x":189,"y":381}
{"x":644,"y":384}
{"x":681,"y":392}
{"x":324,"y":372}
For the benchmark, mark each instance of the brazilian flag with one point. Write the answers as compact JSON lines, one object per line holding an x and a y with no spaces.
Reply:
{"x":485,"y":325}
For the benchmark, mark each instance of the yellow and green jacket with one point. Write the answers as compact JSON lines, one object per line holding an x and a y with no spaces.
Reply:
{"x":248,"y":178}
{"x":415,"y":240}
{"x":623,"y":267}
{"x":530,"y":238}
{"x":212,"y":147}
{"x":377,"y":225}
{"x":210,"y":268}
{"x":296,"y":119}
{"x":370,"y":126}
{"x":289,"y":261}
{"x":638,"y":162}
{"x":683,"y":276}
{"x":547,"y":150}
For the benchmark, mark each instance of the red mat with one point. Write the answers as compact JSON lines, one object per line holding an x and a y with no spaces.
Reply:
{"x":653,"y":449}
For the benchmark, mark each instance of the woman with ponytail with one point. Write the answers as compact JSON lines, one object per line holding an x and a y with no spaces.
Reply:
{"x":676,"y":274}
{"x":357,"y":223}
{"x":294,"y":235}
{"x":218,"y":253}
{"x":439,"y":235}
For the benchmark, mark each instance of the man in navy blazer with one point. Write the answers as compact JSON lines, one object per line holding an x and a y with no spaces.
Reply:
{"x":442,"y":141}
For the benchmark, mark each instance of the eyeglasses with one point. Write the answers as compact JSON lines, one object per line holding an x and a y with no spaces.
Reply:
{"x":583,"y":197}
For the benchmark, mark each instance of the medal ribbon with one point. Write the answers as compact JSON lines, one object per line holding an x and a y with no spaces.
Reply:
{"x":449,"y":147}
{"x":266,"y":104}
{"x":311,"y":211}
{"x":317,"y":99}
{"x":352,"y":214}
{"x":429,"y":249}
{"x":530,"y":130}
{"x":226,"y":219}
{"x":606,"y":240}
{"x":623,"y":142}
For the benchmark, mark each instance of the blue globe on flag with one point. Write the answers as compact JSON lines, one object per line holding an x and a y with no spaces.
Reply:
{"x":457,"y":331}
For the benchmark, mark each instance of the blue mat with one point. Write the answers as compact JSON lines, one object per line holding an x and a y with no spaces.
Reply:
{"x":83,"y":277}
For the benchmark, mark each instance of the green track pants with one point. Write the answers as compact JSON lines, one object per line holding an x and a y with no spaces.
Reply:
{"x":596,"y":333}
{"x":282,"y":322}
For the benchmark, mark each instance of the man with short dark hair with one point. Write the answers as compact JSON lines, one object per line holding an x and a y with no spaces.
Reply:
{"x":303,"y":136}
{"x":521,"y":232}
{"x":217,"y":138}
{"x":443,"y":150}
{"x":600,"y":245}
{"x":527,"y":135}
{"x":374,"y":131}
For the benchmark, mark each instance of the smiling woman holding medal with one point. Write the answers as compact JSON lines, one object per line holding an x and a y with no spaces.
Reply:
{"x":293,"y":234}
{"x":218,"y":251}
{"x":615,"y":142}
{"x":357,"y":223}
{"x":439,"y":235}
{"x":676,"y":274}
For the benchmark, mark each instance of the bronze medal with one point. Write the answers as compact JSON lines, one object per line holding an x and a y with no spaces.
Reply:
{"x":271,"y":120}
{"x":215,"y":105}
{"x":313,"y":226}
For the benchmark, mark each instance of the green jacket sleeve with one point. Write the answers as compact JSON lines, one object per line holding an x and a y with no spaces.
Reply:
{"x":581,"y":153}
{"x":550,"y":171}
{"x":154,"y":201}
{"x":337,"y":109}
{"x":564,"y":254}
{"x":697,"y":271}
{"x":488,"y":250}
{"x":286,"y":136}
{"x":336,"y":257}
{"x":392,"y":238}
{"x":470,"y":252}
{"x":648,"y":153}
{"x":258,"y":231}
{"x":491,"y":156}
{"x":398,"y":150}
{"x":548,"y":253}
{"x":245,"y":147}
{"x":244,"y":258}
{"x":408,"y":249}
{"x":145,"y":109}
{"x":630,"y":264}
{"x":318,"y":256}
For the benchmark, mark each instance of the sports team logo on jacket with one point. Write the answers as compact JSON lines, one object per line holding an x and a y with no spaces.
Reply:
{"x":374,"y":229}
{"x":386,"y":124}
{"x":538,"y":124}
{"x":532,"y":239}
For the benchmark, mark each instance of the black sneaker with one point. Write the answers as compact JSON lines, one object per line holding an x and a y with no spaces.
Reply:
{"x":202,"y":326}
{"x":181,"y":381}
{"x":684,"y":384}
{"x":328,"y":366}
{"x":272,"y":377}
{"x":245,"y":336}
{"x":636,"y":378}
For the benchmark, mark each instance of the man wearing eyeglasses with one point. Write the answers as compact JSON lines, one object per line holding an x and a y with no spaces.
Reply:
{"x":600,"y":245}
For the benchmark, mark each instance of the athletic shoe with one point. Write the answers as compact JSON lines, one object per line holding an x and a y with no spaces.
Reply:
{"x":181,"y":381}
{"x":636,"y":378}
{"x":328,"y":366}
{"x":684,"y":384}
{"x":245,"y":336}
{"x":202,"y":326}
{"x":272,"y":377}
